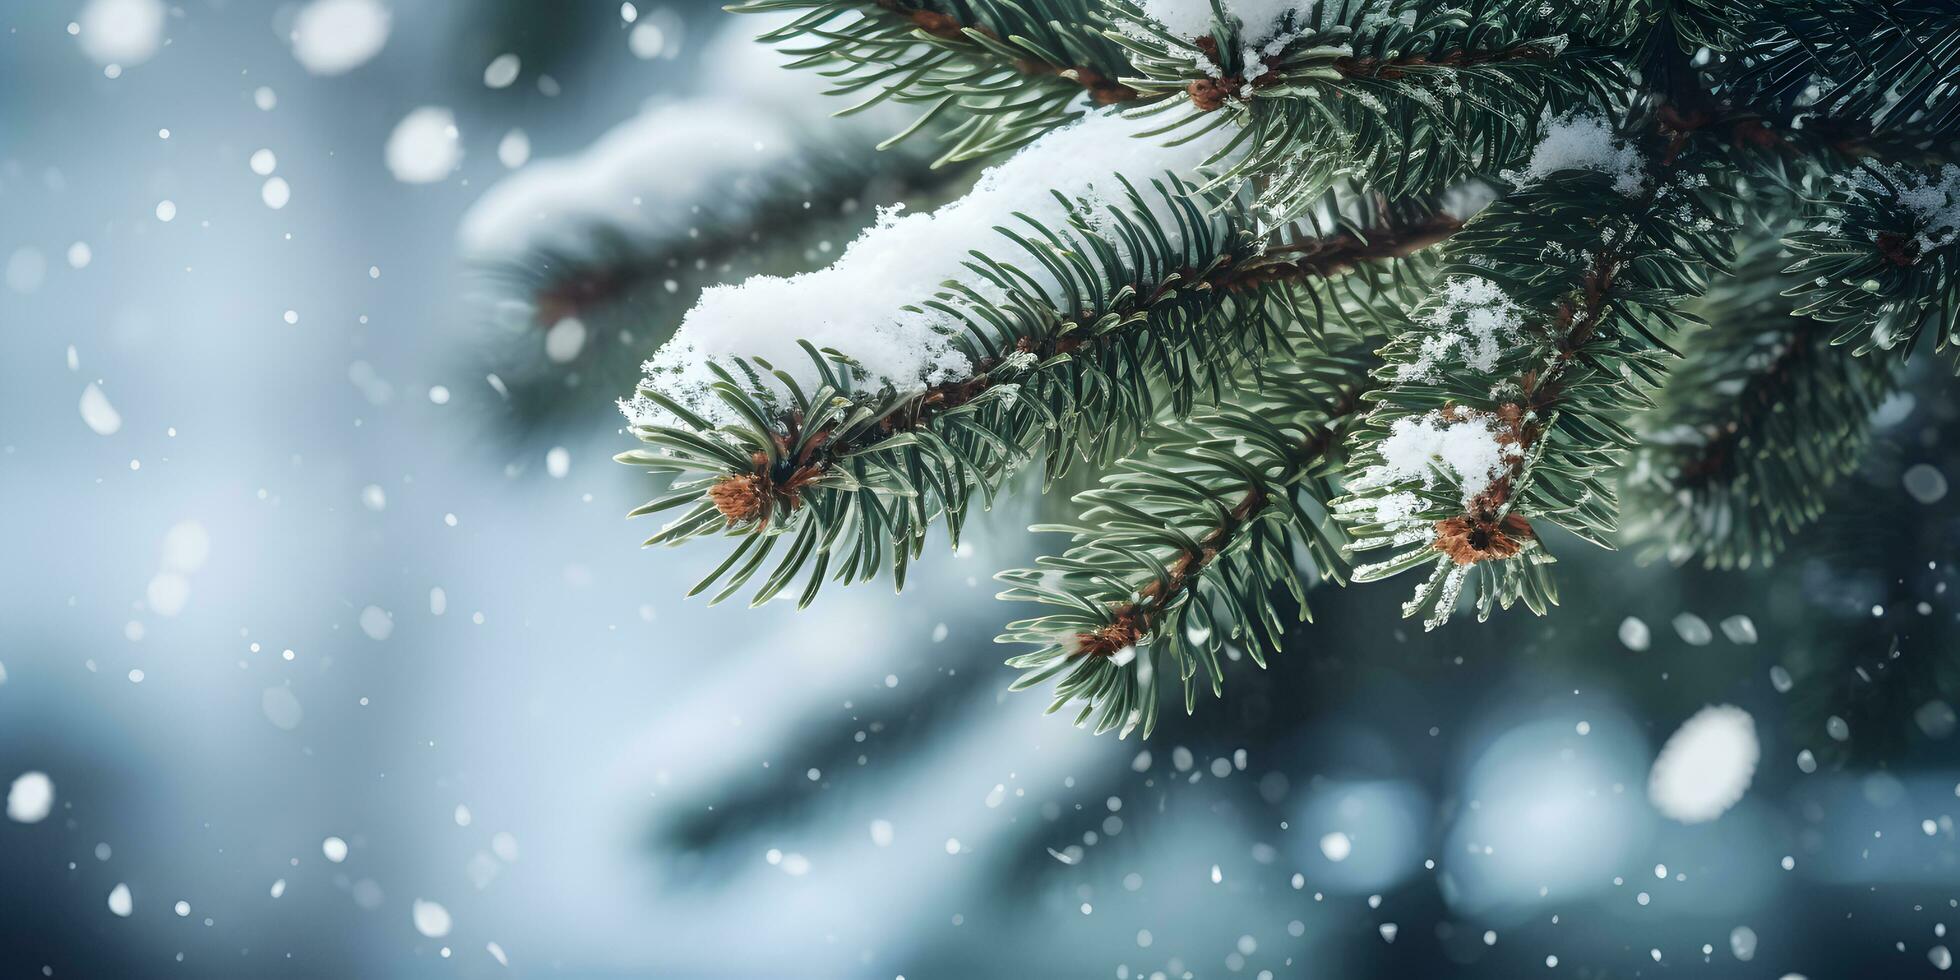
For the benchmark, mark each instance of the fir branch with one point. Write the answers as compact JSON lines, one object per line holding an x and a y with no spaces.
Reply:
{"x":1053,"y":383}
{"x":1507,"y":407}
{"x":1102,"y":89}
{"x":1184,"y":547}
{"x":1411,"y":98}
{"x":1884,"y":63}
{"x":1008,"y":71}
{"x":1342,"y":252}
{"x":1882,"y":262}
{"x":1754,"y":428}
{"x":585,"y":257}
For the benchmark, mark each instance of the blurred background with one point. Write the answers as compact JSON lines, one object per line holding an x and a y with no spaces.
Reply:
{"x":328,"y":652}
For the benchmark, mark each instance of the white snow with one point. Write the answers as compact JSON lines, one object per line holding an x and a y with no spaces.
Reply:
{"x":858,"y":304}
{"x":501,"y":71}
{"x":1706,"y":765}
{"x":264,"y":162}
{"x":557,"y":462}
{"x":1742,"y":943}
{"x":1474,"y":320}
{"x":1933,"y":202}
{"x":333,"y":37}
{"x":121,"y":32}
{"x":1739,"y":629}
{"x":1692,"y":629}
{"x":431,"y":919}
{"x":1581,"y":141}
{"x":98,"y":414}
{"x":634,"y":178}
{"x":646,"y":40}
{"x":1635,"y":634}
{"x":564,"y":340}
{"x":377,"y":623}
{"x":335,"y":849}
{"x":30,"y":798}
{"x":119,"y":901}
{"x":275,"y":193}
{"x":1421,"y":448}
{"x":425,"y":146}
{"x":79,"y":255}
{"x":1336,"y":846}
{"x":514,"y":150}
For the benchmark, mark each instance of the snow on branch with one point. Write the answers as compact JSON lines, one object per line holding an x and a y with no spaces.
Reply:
{"x":884,"y":303}
{"x":1582,"y":140}
{"x":1881,"y":262}
{"x":1508,"y":402}
{"x":678,"y":165}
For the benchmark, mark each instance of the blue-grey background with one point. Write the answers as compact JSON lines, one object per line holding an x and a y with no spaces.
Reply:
{"x":601,"y":779}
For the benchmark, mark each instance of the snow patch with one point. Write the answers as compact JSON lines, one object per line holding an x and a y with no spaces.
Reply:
{"x":1466,"y":450}
{"x":633,"y":179}
{"x":1932,"y":201}
{"x":1474,"y":319}
{"x":858,"y":305}
{"x":1581,"y":141}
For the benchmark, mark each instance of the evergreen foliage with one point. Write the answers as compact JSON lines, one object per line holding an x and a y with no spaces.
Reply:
{"x":1454,"y":288}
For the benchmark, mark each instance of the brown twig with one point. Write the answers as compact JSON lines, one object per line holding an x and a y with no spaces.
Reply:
{"x":1132,"y":622}
{"x":1337,"y":255}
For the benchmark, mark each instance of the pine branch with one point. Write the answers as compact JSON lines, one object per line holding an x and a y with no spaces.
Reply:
{"x":1410,"y":98}
{"x":1149,"y":335}
{"x":1884,"y":63}
{"x":1507,"y":406}
{"x":1008,"y":71}
{"x":1336,"y":254}
{"x":1184,"y":547}
{"x":1102,"y":89}
{"x":584,"y":258}
{"x":1882,"y":263}
{"x":1754,"y":428}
